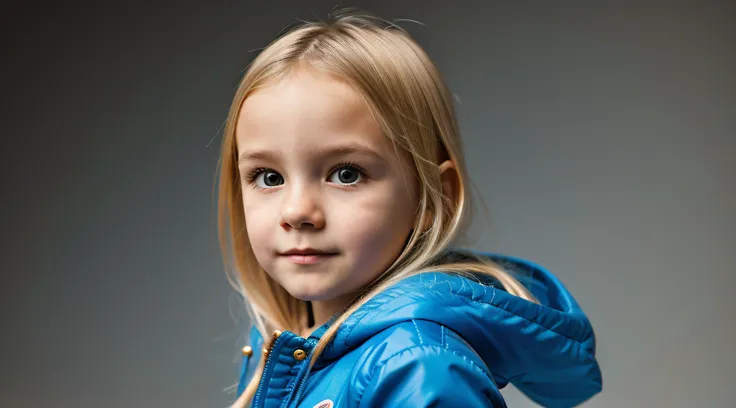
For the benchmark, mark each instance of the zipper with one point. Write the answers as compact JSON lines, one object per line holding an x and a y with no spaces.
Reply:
{"x":314,"y":339}
{"x":275,"y":338}
{"x":300,"y":387}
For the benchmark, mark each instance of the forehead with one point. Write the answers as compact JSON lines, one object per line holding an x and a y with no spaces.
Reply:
{"x":305,"y":107}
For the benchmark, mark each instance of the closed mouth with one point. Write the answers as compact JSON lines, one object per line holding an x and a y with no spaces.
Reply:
{"x":307,"y":252}
{"x":307,"y":257}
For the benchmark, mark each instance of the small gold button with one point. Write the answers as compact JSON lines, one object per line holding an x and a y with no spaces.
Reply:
{"x":300,"y":354}
{"x":274,"y":336}
{"x":247,"y":351}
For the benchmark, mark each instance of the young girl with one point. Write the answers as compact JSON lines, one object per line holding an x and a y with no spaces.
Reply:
{"x":342,"y":186}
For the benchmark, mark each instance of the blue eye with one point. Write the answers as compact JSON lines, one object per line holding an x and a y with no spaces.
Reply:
{"x":346,"y":174}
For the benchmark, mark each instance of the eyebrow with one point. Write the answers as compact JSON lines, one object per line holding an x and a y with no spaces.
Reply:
{"x":339,"y":150}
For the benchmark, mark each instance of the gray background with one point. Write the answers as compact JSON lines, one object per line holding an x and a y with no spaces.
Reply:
{"x":601,"y":137}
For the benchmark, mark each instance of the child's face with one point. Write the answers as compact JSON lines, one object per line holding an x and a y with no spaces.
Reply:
{"x":318,"y":174}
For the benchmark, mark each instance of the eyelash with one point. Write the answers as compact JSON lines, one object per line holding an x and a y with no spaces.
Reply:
{"x":253,"y":174}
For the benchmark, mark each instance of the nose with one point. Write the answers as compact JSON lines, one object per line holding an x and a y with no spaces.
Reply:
{"x":301,"y":209}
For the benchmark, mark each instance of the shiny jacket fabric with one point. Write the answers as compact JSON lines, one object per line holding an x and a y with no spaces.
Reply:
{"x":439,"y":340}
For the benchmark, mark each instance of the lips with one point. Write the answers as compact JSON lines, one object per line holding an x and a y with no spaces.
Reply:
{"x":307,"y":256}
{"x":305,"y":251}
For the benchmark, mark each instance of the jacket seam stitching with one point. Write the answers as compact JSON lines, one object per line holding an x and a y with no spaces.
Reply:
{"x":421,"y":342}
{"x":443,"y":337}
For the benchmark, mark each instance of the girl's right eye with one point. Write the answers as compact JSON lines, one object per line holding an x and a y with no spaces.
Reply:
{"x":267,"y":178}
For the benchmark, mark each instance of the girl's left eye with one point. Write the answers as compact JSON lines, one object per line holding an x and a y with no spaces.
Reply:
{"x":346,"y":175}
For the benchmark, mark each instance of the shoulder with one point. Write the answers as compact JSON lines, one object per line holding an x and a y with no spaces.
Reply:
{"x":422,"y":337}
{"x":423,"y":362}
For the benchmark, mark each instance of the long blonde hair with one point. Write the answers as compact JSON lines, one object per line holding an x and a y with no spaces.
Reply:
{"x":409,"y":100}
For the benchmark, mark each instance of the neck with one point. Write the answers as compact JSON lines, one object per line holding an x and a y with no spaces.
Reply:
{"x":323,"y":310}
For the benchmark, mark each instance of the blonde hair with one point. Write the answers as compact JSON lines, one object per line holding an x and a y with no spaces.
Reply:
{"x":407,"y":97}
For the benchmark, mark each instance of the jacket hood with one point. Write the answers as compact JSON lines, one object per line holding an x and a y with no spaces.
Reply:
{"x":546,"y":350}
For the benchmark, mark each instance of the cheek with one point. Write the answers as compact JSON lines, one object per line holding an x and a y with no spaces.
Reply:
{"x":259,"y":222}
{"x":375,"y":228}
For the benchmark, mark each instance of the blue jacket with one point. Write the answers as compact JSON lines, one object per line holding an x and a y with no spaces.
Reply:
{"x":439,"y":340}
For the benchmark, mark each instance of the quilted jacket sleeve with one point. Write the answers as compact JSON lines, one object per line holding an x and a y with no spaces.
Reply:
{"x":430,"y":376}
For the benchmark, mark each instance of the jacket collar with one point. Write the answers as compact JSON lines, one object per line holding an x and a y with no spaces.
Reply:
{"x":546,"y":348}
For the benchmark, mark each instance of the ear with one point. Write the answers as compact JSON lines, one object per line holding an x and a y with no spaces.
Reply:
{"x":450,"y":180}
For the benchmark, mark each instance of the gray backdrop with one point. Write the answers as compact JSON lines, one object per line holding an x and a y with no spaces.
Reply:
{"x":601,"y":137}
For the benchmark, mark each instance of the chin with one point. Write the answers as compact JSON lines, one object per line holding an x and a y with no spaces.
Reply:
{"x":309,"y":294}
